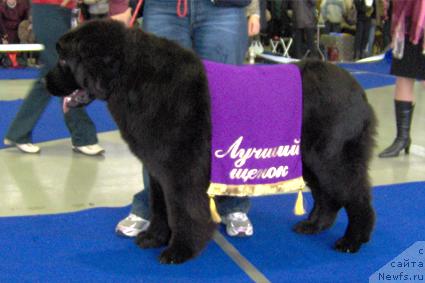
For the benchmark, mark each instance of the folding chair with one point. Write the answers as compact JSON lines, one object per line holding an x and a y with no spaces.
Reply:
{"x":285,"y":42}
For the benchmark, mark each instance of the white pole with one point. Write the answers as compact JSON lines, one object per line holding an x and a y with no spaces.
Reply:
{"x":21,"y":47}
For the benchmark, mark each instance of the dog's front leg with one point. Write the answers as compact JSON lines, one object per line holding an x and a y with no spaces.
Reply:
{"x":190,"y":222}
{"x":158,"y":233}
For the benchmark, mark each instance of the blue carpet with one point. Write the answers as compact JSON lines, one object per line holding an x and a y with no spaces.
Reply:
{"x":82,"y":247}
{"x":378,"y":67}
{"x":19,"y":73}
{"x":283,"y":256}
{"x":373,"y":80}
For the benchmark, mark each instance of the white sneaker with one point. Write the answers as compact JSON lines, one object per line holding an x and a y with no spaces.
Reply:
{"x":24,"y":147}
{"x":238,"y":224}
{"x":131,"y":226}
{"x":93,"y":149}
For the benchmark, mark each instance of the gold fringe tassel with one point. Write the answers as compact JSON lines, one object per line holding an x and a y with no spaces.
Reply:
{"x":214,"y":214}
{"x":299,"y":204}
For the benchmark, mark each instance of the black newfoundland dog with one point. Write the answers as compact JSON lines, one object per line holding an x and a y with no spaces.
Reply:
{"x":158,"y":95}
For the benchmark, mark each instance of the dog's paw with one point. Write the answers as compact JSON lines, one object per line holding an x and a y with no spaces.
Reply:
{"x":147,"y":240}
{"x":346,"y":245}
{"x":306,"y":227}
{"x":174,"y":255}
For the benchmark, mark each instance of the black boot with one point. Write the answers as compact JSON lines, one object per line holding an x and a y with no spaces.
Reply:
{"x":404,"y":113}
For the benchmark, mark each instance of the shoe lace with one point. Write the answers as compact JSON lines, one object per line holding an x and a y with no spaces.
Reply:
{"x":133,"y":217}
{"x":238,"y":216}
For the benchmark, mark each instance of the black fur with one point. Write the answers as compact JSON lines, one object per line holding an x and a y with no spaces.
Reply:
{"x":157,"y":93}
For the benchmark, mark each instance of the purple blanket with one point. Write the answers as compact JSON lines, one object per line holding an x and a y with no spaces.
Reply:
{"x":256,"y":133}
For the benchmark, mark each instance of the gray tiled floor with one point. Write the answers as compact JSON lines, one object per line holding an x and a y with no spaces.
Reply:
{"x":59,"y":180}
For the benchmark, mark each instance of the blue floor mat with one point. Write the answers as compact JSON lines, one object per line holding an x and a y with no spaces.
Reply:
{"x":19,"y":73}
{"x":283,"y":256}
{"x":378,"y":67}
{"x":82,"y":247}
{"x":373,"y":80}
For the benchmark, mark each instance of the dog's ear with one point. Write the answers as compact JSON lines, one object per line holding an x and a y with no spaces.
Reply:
{"x":100,"y":74}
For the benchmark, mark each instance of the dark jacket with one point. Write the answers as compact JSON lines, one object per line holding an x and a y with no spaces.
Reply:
{"x":363,"y":12}
{"x":10,"y":20}
{"x":303,"y":13}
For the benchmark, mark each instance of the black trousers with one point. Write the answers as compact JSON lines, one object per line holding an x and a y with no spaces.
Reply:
{"x":303,"y":41}
{"x":362,"y":37}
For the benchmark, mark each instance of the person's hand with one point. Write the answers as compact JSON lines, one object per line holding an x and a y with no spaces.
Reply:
{"x":253,"y":25}
{"x":124,"y":17}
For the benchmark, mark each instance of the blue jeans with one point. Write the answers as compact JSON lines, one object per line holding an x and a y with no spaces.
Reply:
{"x":50,"y":22}
{"x":214,"y":33}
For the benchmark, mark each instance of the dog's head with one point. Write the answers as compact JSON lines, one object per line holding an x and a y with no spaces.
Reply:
{"x":89,"y":60}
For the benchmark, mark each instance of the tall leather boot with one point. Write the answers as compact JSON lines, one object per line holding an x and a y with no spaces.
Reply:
{"x":404,"y":114}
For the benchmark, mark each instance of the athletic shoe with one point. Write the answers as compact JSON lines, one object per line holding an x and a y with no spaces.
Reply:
{"x":238,"y":224}
{"x":24,"y":147}
{"x":93,"y":149}
{"x":131,"y":226}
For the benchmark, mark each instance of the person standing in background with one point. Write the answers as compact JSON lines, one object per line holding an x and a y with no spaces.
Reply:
{"x":304,"y":26}
{"x":364,"y":21}
{"x":408,"y":65}
{"x":217,"y":33}
{"x":332,"y":12}
{"x":12,"y":13}
{"x":51,"y":19}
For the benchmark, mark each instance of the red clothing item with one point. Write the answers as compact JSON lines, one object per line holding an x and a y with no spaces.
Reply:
{"x":10,"y":18}
{"x":115,"y":6}
{"x":414,"y":13}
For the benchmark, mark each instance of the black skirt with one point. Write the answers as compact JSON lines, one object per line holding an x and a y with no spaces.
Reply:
{"x":412,"y":65}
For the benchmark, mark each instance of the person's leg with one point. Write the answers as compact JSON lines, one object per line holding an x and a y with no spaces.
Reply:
{"x":46,"y":26}
{"x":358,"y":39}
{"x":337,"y":27}
{"x":404,"y":106}
{"x":328,"y":27}
{"x":404,"y":89}
{"x":81,"y":127}
{"x":386,"y":31}
{"x":309,"y":36}
{"x":49,"y":23}
{"x":365,"y":37}
{"x":298,"y":42}
{"x":219,"y":33}
{"x":160,"y":18}
{"x":140,"y":204}
{"x":138,"y":219}
{"x":371,"y":38}
{"x":20,"y":130}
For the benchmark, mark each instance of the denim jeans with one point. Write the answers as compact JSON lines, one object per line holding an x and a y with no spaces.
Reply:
{"x":49,"y":23}
{"x":214,"y":33}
